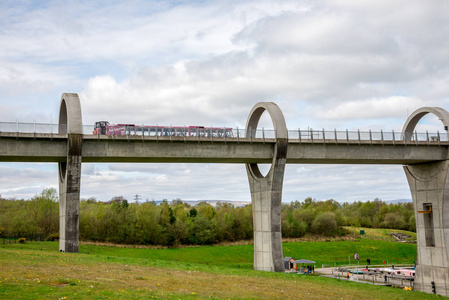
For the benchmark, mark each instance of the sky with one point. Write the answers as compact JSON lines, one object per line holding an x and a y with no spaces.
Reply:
{"x":339,"y":64}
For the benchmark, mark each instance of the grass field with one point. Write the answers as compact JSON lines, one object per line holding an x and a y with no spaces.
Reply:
{"x":378,"y":233}
{"x":38,"y":271}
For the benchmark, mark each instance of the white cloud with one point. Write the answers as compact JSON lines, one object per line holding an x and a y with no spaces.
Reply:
{"x":23,"y":181}
{"x":389,"y":107}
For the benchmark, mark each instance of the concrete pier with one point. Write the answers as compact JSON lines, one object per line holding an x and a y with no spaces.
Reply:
{"x":70,"y":122}
{"x":429,"y":186}
{"x":266,"y":192}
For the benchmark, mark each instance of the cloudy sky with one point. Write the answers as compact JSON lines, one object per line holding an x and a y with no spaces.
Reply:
{"x":327,"y":64}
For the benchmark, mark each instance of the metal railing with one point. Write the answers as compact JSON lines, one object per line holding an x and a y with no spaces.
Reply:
{"x":34,"y":127}
{"x":210,"y":133}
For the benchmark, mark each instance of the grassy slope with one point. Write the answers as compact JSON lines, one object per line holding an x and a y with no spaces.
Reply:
{"x":378,"y":233}
{"x":100,"y":272}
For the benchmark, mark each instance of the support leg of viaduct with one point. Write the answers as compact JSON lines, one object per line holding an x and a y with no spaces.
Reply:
{"x":429,"y":186}
{"x":70,"y":122}
{"x":266,"y":193}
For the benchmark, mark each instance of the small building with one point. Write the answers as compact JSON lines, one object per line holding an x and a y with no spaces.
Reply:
{"x":288,"y":263}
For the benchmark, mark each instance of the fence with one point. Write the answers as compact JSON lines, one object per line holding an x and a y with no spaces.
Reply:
{"x":29,"y":238}
{"x":299,"y":135}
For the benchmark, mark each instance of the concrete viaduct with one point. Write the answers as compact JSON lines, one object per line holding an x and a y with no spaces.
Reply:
{"x":425,"y":164}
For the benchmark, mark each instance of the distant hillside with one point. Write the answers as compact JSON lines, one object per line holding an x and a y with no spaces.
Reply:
{"x":213,"y":202}
{"x":399,"y":201}
{"x":244,"y":203}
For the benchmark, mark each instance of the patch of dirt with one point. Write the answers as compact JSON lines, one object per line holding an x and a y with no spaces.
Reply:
{"x":62,"y":284}
{"x":400,"y":237}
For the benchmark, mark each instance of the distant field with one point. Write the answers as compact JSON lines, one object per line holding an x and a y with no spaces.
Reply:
{"x":37,"y":270}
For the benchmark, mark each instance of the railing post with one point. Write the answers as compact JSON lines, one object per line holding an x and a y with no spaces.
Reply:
{"x":382,"y":136}
{"x":263,"y":134}
{"x":427,"y":137}
{"x":405,"y":138}
{"x":394,"y":140}
{"x":311,"y":134}
{"x":238,"y":135}
{"x":358,"y":134}
{"x":370,"y":137}
{"x":299,"y":135}
{"x":335,"y":133}
{"x":347,"y":136}
{"x":438,"y":137}
{"x":416,"y":138}
{"x":324,"y":137}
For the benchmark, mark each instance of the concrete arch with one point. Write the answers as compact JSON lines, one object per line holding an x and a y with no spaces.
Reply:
{"x":266,"y":192}
{"x":280,"y":127}
{"x":70,"y":122}
{"x":70,"y":117}
{"x":414,"y":118}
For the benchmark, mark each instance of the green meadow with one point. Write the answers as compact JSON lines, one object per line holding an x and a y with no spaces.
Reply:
{"x":36,"y":270}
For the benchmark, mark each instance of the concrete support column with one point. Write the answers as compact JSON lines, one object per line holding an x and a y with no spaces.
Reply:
{"x":266,"y":192}
{"x":429,"y":186}
{"x":70,"y":122}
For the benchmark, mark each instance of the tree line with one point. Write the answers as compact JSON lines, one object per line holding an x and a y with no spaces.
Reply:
{"x":175,"y":222}
{"x":329,"y":217}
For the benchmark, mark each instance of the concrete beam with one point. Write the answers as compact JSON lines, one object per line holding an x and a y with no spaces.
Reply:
{"x":53,"y":148}
{"x":364,"y":154}
{"x":33,"y":150}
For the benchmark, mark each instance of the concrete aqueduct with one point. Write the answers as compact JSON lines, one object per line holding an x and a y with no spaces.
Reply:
{"x":425,"y":164}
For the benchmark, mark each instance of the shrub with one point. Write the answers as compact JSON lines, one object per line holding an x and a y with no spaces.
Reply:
{"x":53,"y":237}
{"x":325,"y":224}
{"x":394,"y":220}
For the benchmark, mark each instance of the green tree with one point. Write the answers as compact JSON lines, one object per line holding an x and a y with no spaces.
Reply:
{"x":325,"y":224}
{"x":204,"y":230}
